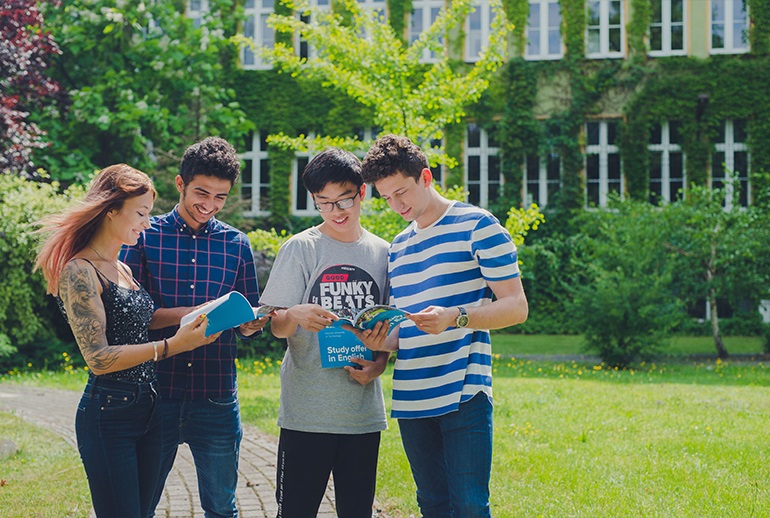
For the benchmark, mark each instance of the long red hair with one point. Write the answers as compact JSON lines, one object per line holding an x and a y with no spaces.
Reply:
{"x":71,"y":231}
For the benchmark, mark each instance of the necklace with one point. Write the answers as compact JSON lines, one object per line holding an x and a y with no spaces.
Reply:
{"x":121,"y":274}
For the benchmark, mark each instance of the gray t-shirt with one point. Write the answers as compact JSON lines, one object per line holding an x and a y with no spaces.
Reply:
{"x":314,"y":268}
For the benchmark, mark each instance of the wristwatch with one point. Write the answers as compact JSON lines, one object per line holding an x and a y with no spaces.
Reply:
{"x":462,"y":318}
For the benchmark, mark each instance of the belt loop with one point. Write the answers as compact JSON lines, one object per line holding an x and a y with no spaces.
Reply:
{"x":89,"y":390}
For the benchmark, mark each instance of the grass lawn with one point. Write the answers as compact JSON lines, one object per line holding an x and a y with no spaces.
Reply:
{"x":679,"y":439}
{"x":515,"y":344}
{"x":45,"y":478}
{"x":575,"y":439}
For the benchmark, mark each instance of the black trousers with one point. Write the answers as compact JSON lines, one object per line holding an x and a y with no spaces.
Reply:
{"x":305,"y":461}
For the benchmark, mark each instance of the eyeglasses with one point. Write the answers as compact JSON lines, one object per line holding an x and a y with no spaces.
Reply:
{"x":344,"y":203}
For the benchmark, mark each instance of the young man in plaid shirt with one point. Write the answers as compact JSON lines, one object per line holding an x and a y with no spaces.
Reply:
{"x":187,"y":258}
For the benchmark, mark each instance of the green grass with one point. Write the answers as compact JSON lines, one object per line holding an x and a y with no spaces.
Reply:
{"x":45,"y":478}
{"x":513,"y":344}
{"x":684,"y":438}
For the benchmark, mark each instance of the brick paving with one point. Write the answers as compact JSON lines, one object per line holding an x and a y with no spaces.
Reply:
{"x":55,"y":410}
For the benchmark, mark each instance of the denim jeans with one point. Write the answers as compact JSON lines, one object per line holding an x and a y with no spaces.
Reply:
{"x":119,"y":439}
{"x":451,"y":459}
{"x":212,"y":430}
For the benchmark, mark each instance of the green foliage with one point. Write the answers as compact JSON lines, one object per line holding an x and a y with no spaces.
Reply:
{"x":28,"y":317}
{"x":142,"y":80}
{"x":625,"y":309}
{"x":718,"y":252}
{"x":268,"y":242}
{"x":379,"y":72}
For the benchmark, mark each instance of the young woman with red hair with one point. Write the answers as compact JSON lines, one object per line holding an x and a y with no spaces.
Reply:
{"x":118,"y":429}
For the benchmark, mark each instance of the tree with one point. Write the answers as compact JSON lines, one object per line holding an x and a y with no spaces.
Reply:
{"x":25,"y":52}
{"x":623,"y":303}
{"x":721,"y":251}
{"x":362,"y":56}
{"x":144,"y":82}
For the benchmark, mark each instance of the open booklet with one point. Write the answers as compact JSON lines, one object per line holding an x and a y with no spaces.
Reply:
{"x":228,"y":311}
{"x":338,"y":345}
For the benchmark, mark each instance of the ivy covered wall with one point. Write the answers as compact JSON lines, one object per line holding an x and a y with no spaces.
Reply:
{"x":640,"y":91}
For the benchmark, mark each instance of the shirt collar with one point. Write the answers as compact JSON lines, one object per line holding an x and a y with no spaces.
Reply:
{"x":179,"y":224}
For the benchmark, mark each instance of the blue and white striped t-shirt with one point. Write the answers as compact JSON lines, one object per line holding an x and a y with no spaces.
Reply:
{"x":446,"y":264}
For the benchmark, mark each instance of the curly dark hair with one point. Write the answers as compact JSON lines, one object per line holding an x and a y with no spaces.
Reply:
{"x":391,"y":155}
{"x":212,"y":156}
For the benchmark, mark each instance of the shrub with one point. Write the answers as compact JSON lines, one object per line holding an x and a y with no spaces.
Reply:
{"x":27,"y":315}
{"x":625,"y":309}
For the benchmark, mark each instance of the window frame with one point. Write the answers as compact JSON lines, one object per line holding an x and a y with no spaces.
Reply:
{"x":729,"y":25}
{"x":484,"y":9}
{"x":544,"y":31}
{"x":257,"y":154}
{"x":427,"y":10}
{"x":257,"y":14}
{"x":666,"y":148}
{"x":484,"y":151}
{"x":667,"y":29}
{"x":604,"y":30}
{"x":730,"y":147}
{"x":604,"y":150}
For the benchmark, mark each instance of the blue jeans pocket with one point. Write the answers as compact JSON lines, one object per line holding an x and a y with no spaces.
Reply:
{"x":224,"y":402}
{"x":115,"y":399}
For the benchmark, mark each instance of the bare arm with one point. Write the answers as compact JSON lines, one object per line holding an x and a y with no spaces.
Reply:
{"x":80,"y":292}
{"x":309,"y":316}
{"x":167,"y":317}
{"x":509,"y":308}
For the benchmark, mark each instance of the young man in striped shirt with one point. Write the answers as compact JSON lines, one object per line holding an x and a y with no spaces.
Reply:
{"x":455,"y":269}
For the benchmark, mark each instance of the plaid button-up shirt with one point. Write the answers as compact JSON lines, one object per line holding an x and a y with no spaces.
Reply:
{"x":179,"y":267}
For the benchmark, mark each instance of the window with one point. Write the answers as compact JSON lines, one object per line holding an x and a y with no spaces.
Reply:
{"x":603,"y":171}
{"x":196,"y":10}
{"x":542,"y":178}
{"x":482,"y":166}
{"x":544,"y":30}
{"x":605,"y":29}
{"x":303,"y":48}
{"x":255,"y":179}
{"x":438,"y":169}
{"x":378,"y":6}
{"x":302,"y":201}
{"x":730,"y":163}
{"x":667,"y":176}
{"x":424,"y":13}
{"x":477,"y":30}
{"x":667,"y":28}
{"x":729,"y":26}
{"x":255,"y":28}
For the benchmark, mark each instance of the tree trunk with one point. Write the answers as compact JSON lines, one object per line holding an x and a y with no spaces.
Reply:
{"x":718,"y":342}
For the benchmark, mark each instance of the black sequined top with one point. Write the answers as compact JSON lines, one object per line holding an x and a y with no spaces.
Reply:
{"x":128,"y":319}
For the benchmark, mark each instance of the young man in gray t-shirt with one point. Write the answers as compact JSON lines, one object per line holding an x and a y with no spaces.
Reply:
{"x":330,"y":418}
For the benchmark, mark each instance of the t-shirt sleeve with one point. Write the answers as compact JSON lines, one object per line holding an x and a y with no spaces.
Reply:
{"x":494,"y":250}
{"x":288,"y":277}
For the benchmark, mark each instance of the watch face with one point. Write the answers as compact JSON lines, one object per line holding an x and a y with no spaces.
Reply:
{"x":462,"y":319}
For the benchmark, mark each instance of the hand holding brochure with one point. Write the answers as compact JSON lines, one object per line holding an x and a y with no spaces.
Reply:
{"x":227,"y":311}
{"x":338,"y":345}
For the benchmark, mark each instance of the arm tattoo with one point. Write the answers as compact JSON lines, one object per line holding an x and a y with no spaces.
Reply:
{"x":85,"y":311}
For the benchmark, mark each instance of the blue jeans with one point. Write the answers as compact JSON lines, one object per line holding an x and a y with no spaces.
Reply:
{"x":119,"y":439}
{"x":451,"y":459}
{"x":212,"y":430}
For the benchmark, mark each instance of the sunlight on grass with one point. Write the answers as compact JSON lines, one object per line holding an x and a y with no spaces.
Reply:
{"x":683,"y":438}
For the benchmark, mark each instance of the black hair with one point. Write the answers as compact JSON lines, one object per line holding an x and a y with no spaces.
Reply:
{"x":391,"y":155}
{"x":212,"y":156}
{"x":332,"y":165}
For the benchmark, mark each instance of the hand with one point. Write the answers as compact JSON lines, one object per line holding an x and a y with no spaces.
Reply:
{"x":434,"y":319}
{"x":373,"y":338}
{"x":251,"y":327}
{"x":311,"y":316}
{"x":367,"y":372}
{"x":193,"y":335}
